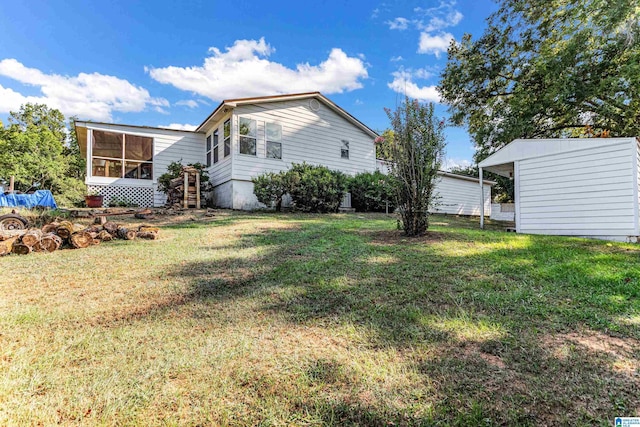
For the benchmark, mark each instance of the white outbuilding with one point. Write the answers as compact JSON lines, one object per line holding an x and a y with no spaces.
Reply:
{"x":573,"y":187}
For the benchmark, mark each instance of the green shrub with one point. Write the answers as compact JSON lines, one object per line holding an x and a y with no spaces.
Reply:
{"x":312,"y":188}
{"x":270,"y":187}
{"x":315,"y":188}
{"x":370,"y":192}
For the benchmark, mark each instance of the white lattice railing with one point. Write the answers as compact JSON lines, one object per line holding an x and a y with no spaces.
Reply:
{"x":141,"y":196}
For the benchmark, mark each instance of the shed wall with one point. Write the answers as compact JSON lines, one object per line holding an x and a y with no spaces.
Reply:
{"x":590,"y":192}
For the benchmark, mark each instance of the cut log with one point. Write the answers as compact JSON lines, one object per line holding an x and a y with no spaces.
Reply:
{"x":50,"y":228}
{"x":20,"y":249}
{"x":31,"y":237}
{"x":49,"y":243}
{"x":9,"y":234}
{"x":111,"y":227}
{"x":148,"y":229}
{"x":96,"y":241}
{"x":7,"y":245}
{"x":65,"y":229}
{"x":93,"y":228}
{"x":105,"y":236}
{"x":126,"y":234}
{"x":146,"y":235}
{"x":81,"y":239}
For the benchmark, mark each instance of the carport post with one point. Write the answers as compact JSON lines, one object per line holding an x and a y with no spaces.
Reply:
{"x":481,"y":200}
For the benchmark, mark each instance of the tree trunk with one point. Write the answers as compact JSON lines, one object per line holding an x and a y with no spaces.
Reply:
{"x":146,"y":235}
{"x":111,"y":228}
{"x":126,"y":234}
{"x":105,"y":236}
{"x":65,"y":229}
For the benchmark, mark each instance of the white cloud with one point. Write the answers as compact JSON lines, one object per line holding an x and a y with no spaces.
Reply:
{"x":396,"y":58}
{"x":358,"y":102}
{"x":403,"y":83}
{"x":375,"y":12}
{"x":398,"y":24}
{"x":188,"y":103}
{"x":179,"y":126}
{"x":243,"y":70}
{"x":438,"y":23}
{"x":92,"y":96}
{"x":435,"y":44}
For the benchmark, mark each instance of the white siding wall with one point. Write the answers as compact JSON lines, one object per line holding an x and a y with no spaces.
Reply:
{"x":220,"y":172}
{"x":589,"y":192}
{"x":312,"y":137}
{"x":459,"y":196}
{"x":168,"y":146}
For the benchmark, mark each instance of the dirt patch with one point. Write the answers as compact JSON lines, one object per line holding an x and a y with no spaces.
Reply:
{"x":392,"y":237}
{"x":623,"y":352}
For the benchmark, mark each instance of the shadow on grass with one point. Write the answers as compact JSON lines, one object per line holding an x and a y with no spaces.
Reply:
{"x":484,"y":306}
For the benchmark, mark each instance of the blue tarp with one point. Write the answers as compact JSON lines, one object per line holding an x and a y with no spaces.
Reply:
{"x":42,"y":198}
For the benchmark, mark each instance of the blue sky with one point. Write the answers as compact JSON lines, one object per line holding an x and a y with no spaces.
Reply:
{"x":170,"y":63}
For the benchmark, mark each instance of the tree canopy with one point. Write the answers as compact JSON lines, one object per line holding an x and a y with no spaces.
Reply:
{"x":38,"y":151}
{"x":547,"y":69}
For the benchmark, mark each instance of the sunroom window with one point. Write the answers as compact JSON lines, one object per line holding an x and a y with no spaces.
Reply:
{"x":247,"y":136}
{"x":120,"y":155}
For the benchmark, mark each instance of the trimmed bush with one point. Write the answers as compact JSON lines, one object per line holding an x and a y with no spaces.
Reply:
{"x":270,"y":187}
{"x":315,"y":188}
{"x":370,"y":192}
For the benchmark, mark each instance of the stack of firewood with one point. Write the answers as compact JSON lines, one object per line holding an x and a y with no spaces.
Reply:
{"x":64,"y":234}
{"x":184,"y":191}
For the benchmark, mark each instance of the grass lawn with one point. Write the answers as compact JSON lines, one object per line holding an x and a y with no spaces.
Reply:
{"x":266,"y":319}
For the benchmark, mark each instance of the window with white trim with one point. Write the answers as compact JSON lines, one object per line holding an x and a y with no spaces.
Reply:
{"x":344,"y":150}
{"x":274,"y":141}
{"x":248,"y":135}
{"x":215,"y":146}
{"x":121,"y":155}
{"x":208,"y":154}
{"x":227,"y":137}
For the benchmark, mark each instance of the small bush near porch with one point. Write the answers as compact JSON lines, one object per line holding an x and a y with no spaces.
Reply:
{"x":246,"y":319}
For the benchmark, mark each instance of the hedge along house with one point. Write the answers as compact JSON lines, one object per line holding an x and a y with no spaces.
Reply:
{"x":574,"y":187}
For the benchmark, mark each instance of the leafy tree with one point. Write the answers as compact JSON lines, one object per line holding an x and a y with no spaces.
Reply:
{"x":417,"y":150}
{"x":547,"y":69}
{"x":31,"y":147}
{"x":270,"y":188}
{"x":383,"y":145}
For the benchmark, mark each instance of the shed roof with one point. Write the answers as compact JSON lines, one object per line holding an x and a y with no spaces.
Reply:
{"x":501,"y":162}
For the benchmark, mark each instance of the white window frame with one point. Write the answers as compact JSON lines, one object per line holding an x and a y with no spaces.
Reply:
{"x":215,"y":144}
{"x":208,"y":146}
{"x":247,"y":137}
{"x":226,"y":138}
{"x":267,"y":141}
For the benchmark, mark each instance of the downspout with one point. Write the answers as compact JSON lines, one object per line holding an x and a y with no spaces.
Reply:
{"x":481,"y":201}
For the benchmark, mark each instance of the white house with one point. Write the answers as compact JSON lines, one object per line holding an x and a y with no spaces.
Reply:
{"x":241,"y":139}
{"x":575,"y":187}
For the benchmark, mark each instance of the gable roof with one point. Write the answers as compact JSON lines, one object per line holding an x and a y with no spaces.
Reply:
{"x":295,"y":96}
